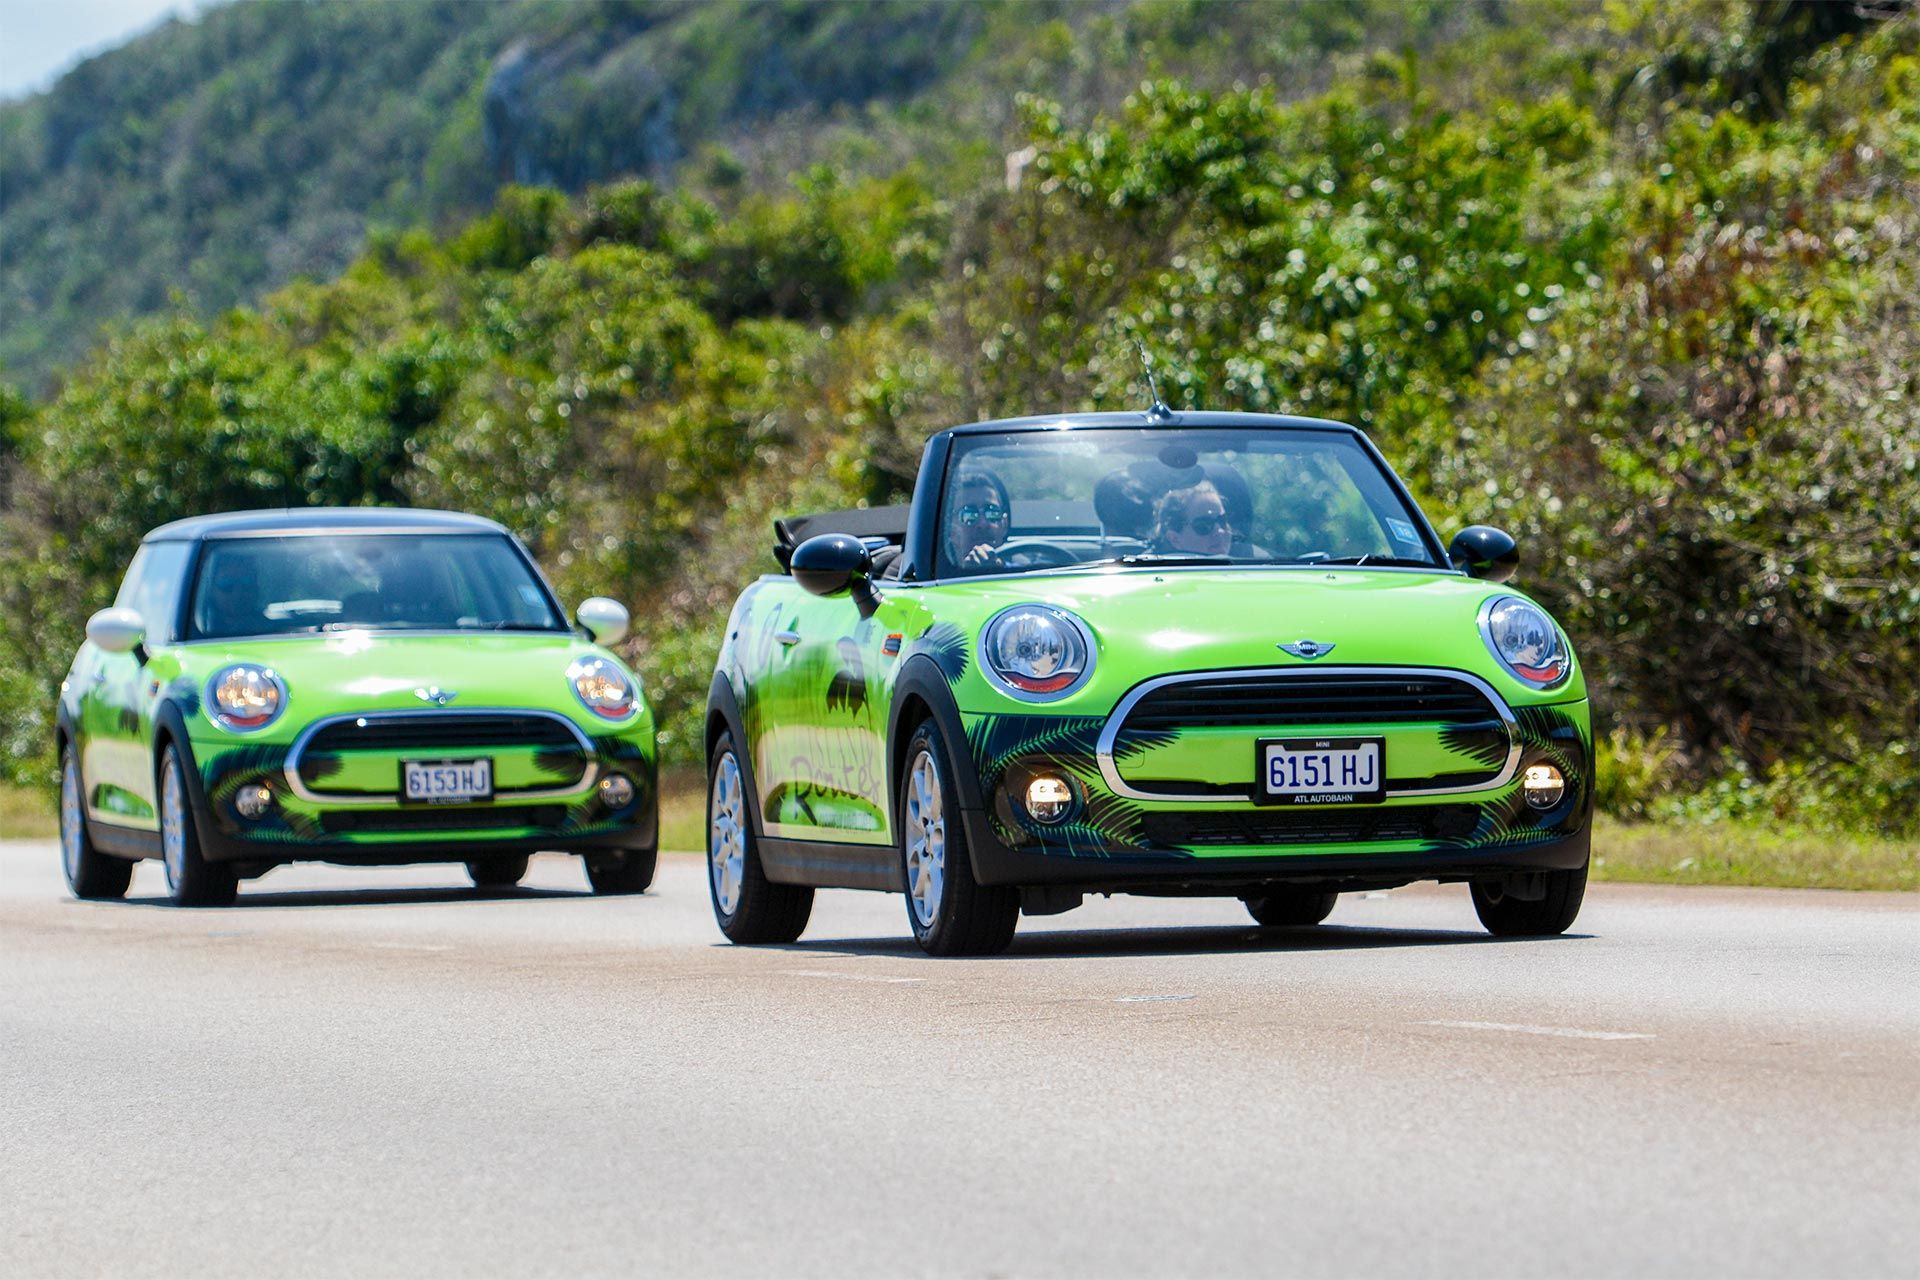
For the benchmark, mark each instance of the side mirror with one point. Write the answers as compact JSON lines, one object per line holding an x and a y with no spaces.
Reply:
{"x":605,"y":620}
{"x":835,"y":562}
{"x":1484,"y":552}
{"x":116,"y":630}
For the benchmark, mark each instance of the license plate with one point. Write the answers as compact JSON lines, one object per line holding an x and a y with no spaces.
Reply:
{"x":446,"y":781}
{"x":1321,"y":770}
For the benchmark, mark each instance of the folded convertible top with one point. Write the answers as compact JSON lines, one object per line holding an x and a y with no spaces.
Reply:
{"x":861,"y":522}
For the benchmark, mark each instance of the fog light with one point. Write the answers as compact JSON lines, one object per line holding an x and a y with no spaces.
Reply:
{"x":1048,"y":799}
{"x":254,"y":800}
{"x":1544,"y":786}
{"x":616,"y":791}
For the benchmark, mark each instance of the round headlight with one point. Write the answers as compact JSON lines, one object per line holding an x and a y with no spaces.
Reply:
{"x":1526,"y":642}
{"x":602,"y":687}
{"x":244,"y":697}
{"x":1036,"y":652}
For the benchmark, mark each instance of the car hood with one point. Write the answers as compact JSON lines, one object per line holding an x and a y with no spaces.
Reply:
{"x":363,"y":670}
{"x":1152,"y":623}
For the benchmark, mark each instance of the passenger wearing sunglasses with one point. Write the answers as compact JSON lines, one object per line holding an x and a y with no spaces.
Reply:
{"x":1193,"y":521}
{"x":977,"y":523}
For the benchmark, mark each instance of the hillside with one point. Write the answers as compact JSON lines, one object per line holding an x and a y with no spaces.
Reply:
{"x":211,"y":161}
{"x":220,"y":157}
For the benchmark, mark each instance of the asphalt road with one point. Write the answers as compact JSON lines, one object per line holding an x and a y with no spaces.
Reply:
{"x":379,"y":1073}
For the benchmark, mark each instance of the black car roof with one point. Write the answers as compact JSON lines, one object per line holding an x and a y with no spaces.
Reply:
{"x":1141,"y":418}
{"x":297,"y":520}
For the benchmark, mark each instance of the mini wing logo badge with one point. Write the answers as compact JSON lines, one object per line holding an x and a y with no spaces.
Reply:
{"x":1308,"y":649}
{"x":436,"y":695}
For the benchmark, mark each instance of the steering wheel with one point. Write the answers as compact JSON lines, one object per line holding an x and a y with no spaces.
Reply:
{"x":1038,"y":553}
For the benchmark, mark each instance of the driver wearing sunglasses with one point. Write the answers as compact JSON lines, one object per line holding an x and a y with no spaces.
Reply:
{"x":1194,"y":521}
{"x":978,"y":518}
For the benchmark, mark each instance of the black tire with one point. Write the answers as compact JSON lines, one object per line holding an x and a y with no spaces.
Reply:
{"x":630,"y":871}
{"x":497,"y":870}
{"x":1509,"y":917}
{"x":192,"y":881}
{"x":952,"y":914}
{"x":1283,"y":907}
{"x":760,"y":911}
{"x":90,"y":873}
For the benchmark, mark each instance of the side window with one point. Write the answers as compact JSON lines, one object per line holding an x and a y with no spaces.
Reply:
{"x":152,"y":587}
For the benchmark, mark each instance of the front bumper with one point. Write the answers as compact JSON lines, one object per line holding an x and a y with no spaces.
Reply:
{"x":1173,"y":874}
{"x":304,"y":825}
{"x":1133,"y":843}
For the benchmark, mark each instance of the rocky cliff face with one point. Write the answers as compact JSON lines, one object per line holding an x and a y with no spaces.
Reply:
{"x":635,"y":94}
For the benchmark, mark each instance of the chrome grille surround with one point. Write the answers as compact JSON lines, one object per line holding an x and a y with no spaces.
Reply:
{"x":388,"y":719}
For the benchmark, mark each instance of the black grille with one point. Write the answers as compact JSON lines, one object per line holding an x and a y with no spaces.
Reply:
{"x":443,"y":733}
{"x":1308,"y":825}
{"x":430,"y":735}
{"x":442,"y":818}
{"x":1258,"y":702}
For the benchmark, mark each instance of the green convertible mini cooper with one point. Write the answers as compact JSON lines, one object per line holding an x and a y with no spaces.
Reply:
{"x":1162,"y":653}
{"x":359,"y":686}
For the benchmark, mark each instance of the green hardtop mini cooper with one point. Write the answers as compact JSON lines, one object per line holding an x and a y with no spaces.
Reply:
{"x":361,"y":686}
{"x":1162,"y":653}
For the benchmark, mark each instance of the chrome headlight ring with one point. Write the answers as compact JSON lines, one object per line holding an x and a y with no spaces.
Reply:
{"x":603,"y":688}
{"x":1526,"y":642}
{"x":1036,"y":652}
{"x":245,"y":697}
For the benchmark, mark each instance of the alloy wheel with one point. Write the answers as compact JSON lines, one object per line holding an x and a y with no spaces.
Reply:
{"x":726,"y":838}
{"x":926,"y":839}
{"x":173,"y":825}
{"x":72,"y":832}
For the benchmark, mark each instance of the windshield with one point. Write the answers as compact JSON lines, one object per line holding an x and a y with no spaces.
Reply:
{"x":389,"y":581}
{"x":1035,"y":500}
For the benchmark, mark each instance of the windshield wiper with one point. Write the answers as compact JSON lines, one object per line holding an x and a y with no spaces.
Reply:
{"x":1165,"y":557}
{"x":1397,"y":562}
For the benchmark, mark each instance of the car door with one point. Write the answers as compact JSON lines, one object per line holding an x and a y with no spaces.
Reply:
{"x":815,"y":682}
{"x":117,"y":697}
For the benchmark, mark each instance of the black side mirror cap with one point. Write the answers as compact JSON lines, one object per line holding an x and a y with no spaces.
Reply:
{"x":832,"y":563}
{"x":1484,"y":552}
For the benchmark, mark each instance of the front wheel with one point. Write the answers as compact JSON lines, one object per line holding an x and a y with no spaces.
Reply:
{"x":615,"y":873}
{"x":192,"y":881}
{"x":952,"y":914}
{"x":748,"y":907}
{"x":1509,"y":917}
{"x":90,"y":873}
{"x":1285,"y":907}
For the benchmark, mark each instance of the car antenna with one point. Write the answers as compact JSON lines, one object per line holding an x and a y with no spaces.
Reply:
{"x":1157,"y":411}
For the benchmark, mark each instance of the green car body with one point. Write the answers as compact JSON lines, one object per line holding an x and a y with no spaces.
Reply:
{"x":355,"y":704}
{"x":819,"y":696}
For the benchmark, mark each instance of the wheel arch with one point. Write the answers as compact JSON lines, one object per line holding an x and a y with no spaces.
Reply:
{"x":920,"y":693}
{"x":170,"y":730}
{"x":723,"y":716}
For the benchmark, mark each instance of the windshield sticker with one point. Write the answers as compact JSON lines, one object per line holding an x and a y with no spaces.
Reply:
{"x":1403,"y":532}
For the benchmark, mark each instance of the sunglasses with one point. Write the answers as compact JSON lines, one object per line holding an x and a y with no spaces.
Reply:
{"x":1205,"y":526}
{"x":992,"y":513}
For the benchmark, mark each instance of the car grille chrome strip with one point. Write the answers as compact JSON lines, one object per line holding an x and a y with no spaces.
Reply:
{"x":1117,"y":723}
{"x":387,"y":722}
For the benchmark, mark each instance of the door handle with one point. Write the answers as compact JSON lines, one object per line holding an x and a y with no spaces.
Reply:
{"x":788,"y":638}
